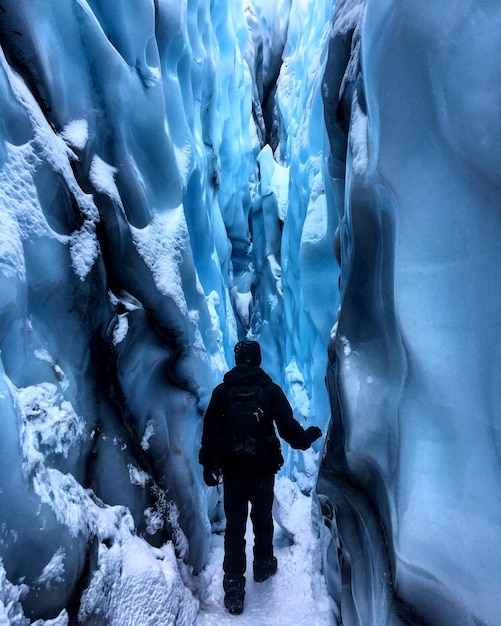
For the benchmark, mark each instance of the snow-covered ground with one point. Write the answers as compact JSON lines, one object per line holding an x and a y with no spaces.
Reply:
{"x":296,"y":595}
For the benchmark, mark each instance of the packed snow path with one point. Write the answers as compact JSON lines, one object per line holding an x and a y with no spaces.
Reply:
{"x":297,"y":594}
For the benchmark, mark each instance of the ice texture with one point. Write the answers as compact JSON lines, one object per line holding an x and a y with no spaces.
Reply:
{"x":124,"y":231}
{"x":411,"y":95}
{"x":321,"y":176}
{"x":142,"y":212}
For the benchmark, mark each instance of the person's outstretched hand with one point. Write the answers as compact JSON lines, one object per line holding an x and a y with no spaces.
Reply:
{"x":313,"y":433}
{"x":210,"y":478}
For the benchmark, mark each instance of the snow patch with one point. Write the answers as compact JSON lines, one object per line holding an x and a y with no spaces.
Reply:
{"x":137,"y":476}
{"x":46,"y":146}
{"x":11,"y":609}
{"x":161,"y":244}
{"x":213,"y":301}
{"x":12,"y":263}
{"x":297,"y":594}
{"x":134,"y":583}
{"x":242,"y":303}
{"x":76,"y":133}
{"x":43,"y":355}
{"x":20,"y":195}
{"x":153,"y":520}
{"x":359,"y":131}
{"x":184,"y":158}
{"x":316,"y":222}
{"x":121,"y":328}
{"x":149,"y":431}
{"x":84,"y":249}
{"x":54,"y":570}
{"x":299,"y":398}
{"x":346,"y":345}
{"x":274,"y":179}
{"x":49,"y":425}
{"x":102,"y":176}
{"x":280,"y":187}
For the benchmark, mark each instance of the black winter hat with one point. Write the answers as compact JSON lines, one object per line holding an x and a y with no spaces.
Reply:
{"x":247,"y":353}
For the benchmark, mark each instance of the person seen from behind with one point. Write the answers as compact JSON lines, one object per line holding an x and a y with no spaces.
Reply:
{"x":239,"y":442}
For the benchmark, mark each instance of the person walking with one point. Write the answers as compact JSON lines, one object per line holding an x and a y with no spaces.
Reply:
{"x":239,"y":443}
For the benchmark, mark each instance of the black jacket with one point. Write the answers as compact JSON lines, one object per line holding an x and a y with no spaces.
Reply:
{"x":277,"y":404}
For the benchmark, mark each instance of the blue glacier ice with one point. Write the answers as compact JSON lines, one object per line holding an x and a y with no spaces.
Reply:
{"x":413,"y":110}
{"x":176,"y":175}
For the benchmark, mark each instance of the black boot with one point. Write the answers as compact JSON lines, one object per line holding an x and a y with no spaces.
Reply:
{"x":264,"y":568}
{"x":234,"y":593}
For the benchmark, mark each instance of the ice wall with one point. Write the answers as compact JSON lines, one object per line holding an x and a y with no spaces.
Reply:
{"x":310,"y":269}
{"x":166,"y":187}
{"x":412,"y":93}
{"x":124,"y":240}
{"x":295,"y":294}
{"x":142,"y":230}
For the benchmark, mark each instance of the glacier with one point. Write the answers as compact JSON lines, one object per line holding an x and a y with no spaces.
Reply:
{"x":176,"y":175}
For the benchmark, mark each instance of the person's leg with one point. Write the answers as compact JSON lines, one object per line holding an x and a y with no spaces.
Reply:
{"x":265,"y":564}
{"x":234,"y":564}
{"x":236,"y":509}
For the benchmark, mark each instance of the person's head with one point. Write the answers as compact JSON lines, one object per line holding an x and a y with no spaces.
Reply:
{"x":247,"y":353}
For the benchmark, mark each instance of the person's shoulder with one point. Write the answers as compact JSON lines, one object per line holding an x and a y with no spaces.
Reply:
{"x":275,"y":389}
{"x":268,"y":381}
{"x":219,"y":389}
{"x":263,"y":375}
{"x":271,"y":387}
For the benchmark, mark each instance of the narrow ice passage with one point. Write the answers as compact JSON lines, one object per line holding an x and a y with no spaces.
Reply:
{"x":297,"y":594}
{"x":173,"y":176}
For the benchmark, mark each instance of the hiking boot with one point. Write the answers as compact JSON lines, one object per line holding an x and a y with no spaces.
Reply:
{"x":264,"y":568}
{"x":234,"y":588}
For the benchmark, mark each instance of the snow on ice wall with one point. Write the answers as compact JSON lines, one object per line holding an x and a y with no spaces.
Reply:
{"x":296,"y":296}
{"x":132,"y":170}
{"x":124,"y":233}
{"x":412,"y":94}
{"x":133,"y":166}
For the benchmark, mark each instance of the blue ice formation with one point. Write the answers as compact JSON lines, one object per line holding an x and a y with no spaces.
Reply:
{"x":411,"y":95}
{"x":176,"y":175}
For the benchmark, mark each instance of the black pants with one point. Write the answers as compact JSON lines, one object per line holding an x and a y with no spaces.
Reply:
{"x":239,"y":491}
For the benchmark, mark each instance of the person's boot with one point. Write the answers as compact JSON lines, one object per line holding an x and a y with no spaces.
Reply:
{"x":264,"y":568}
{"x":234,"y":594}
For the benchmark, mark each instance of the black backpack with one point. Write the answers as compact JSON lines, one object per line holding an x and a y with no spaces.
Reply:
{"x":249,"y":439}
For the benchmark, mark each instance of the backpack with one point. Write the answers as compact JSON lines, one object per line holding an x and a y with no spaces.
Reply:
{"x":249,"y":439}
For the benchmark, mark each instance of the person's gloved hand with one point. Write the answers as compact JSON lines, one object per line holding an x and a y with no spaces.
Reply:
{"x":210,"y":478}
{"x":313,"y":433}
